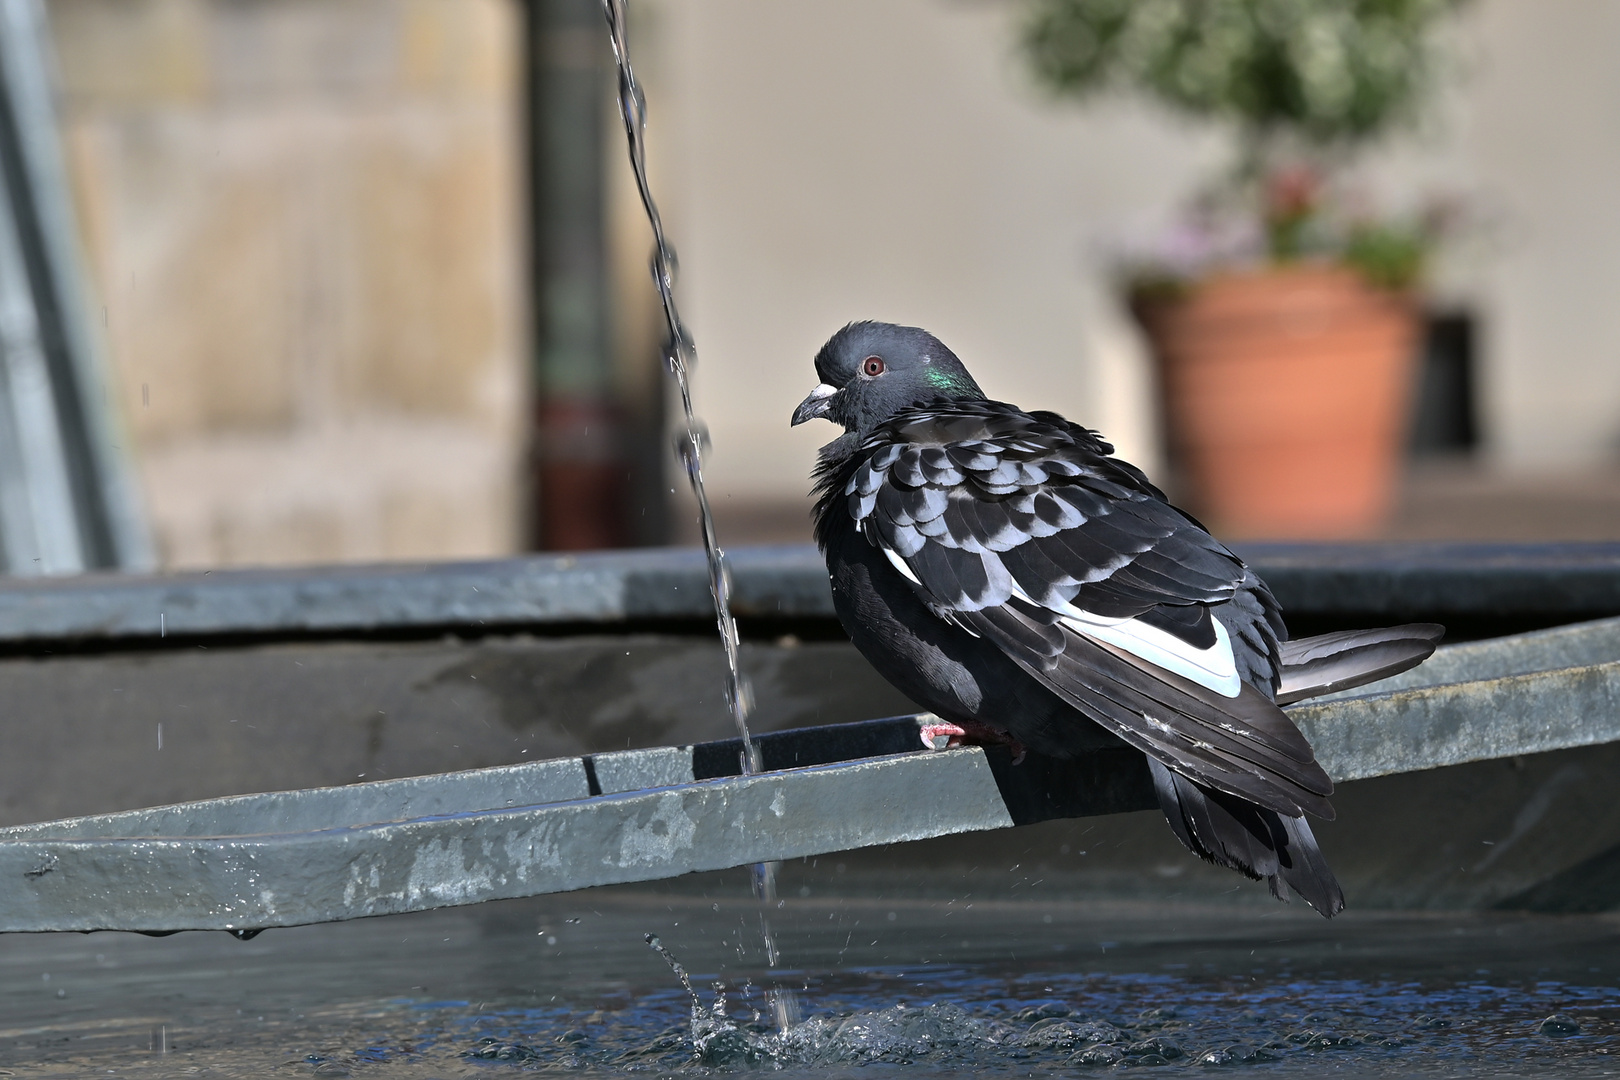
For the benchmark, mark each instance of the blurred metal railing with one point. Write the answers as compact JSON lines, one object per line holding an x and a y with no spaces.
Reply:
{"x":1518,"y":586}
{"x":66,"y":501}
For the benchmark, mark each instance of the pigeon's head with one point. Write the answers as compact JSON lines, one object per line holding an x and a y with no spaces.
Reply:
{"x":871,"y":370}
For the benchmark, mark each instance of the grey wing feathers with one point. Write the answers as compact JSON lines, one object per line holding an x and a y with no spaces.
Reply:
{"x":988,"y":502}
{"x":1321,"y":665}
{"x":1255,"y":621}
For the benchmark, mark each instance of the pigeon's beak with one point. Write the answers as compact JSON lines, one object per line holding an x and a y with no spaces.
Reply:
{"x":817,"y":404}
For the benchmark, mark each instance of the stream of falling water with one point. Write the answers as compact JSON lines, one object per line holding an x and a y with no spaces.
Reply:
{"x":679,"y":355}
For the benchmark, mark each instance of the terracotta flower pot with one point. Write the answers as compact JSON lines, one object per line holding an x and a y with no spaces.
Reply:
{"x":1285,"y":395}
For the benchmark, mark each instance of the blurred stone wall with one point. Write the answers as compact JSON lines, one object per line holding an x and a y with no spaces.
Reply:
{"x":303,"y":219}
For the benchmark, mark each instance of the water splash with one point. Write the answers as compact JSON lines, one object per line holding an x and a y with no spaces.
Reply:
{"x":784,"y":1002}
{"x":900,"y":1034}
{"x":679,"y":355}
{"x":946,"y":1034}
{"x":656,"y":943}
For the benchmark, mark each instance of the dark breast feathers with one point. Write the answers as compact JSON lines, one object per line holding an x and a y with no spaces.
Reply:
{"x":1023,"y":531}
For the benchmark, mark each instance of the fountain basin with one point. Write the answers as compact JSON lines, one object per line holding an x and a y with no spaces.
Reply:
{"x":249,"y":862}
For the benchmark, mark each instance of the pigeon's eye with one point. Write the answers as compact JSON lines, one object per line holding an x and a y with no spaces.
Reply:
{"x":873,"y":367}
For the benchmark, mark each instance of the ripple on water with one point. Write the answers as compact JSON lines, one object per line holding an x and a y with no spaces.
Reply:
{"x":344,"y":1001}
{"x":965,"y":1018}
{"x":987,"y":1024}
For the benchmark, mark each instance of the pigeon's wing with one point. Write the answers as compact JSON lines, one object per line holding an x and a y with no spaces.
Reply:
{"x":1244,"y":745}
{"x":1024,"y":530}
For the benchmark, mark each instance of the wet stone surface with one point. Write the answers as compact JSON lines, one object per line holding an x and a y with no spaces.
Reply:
{"x":982,"y":984}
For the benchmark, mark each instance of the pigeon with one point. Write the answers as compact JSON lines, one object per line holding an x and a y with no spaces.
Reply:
{"x":1010,"y":575}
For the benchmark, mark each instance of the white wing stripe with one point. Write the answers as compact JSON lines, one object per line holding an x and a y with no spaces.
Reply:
{"x":900,"y":565}
{"x":1214,"y":668}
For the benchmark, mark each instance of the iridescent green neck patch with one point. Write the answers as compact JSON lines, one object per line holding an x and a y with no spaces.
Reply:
{"x":950,"y":382}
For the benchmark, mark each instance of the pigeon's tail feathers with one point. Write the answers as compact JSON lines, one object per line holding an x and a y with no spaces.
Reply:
{"x":1238,"y":842}
{"x":1259,"y":843}
{"x":1305,"y":870}
{"x":1320,"y":665}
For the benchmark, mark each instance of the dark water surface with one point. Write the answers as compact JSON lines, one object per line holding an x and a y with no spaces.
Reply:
{"x":912,"y":987}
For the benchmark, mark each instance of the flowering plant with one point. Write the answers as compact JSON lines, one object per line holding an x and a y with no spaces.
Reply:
{"x":1291,"y":214}
{"x":1304,"y":83}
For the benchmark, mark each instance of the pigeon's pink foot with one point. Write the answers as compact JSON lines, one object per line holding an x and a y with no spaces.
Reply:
{"x":941,"y":735}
